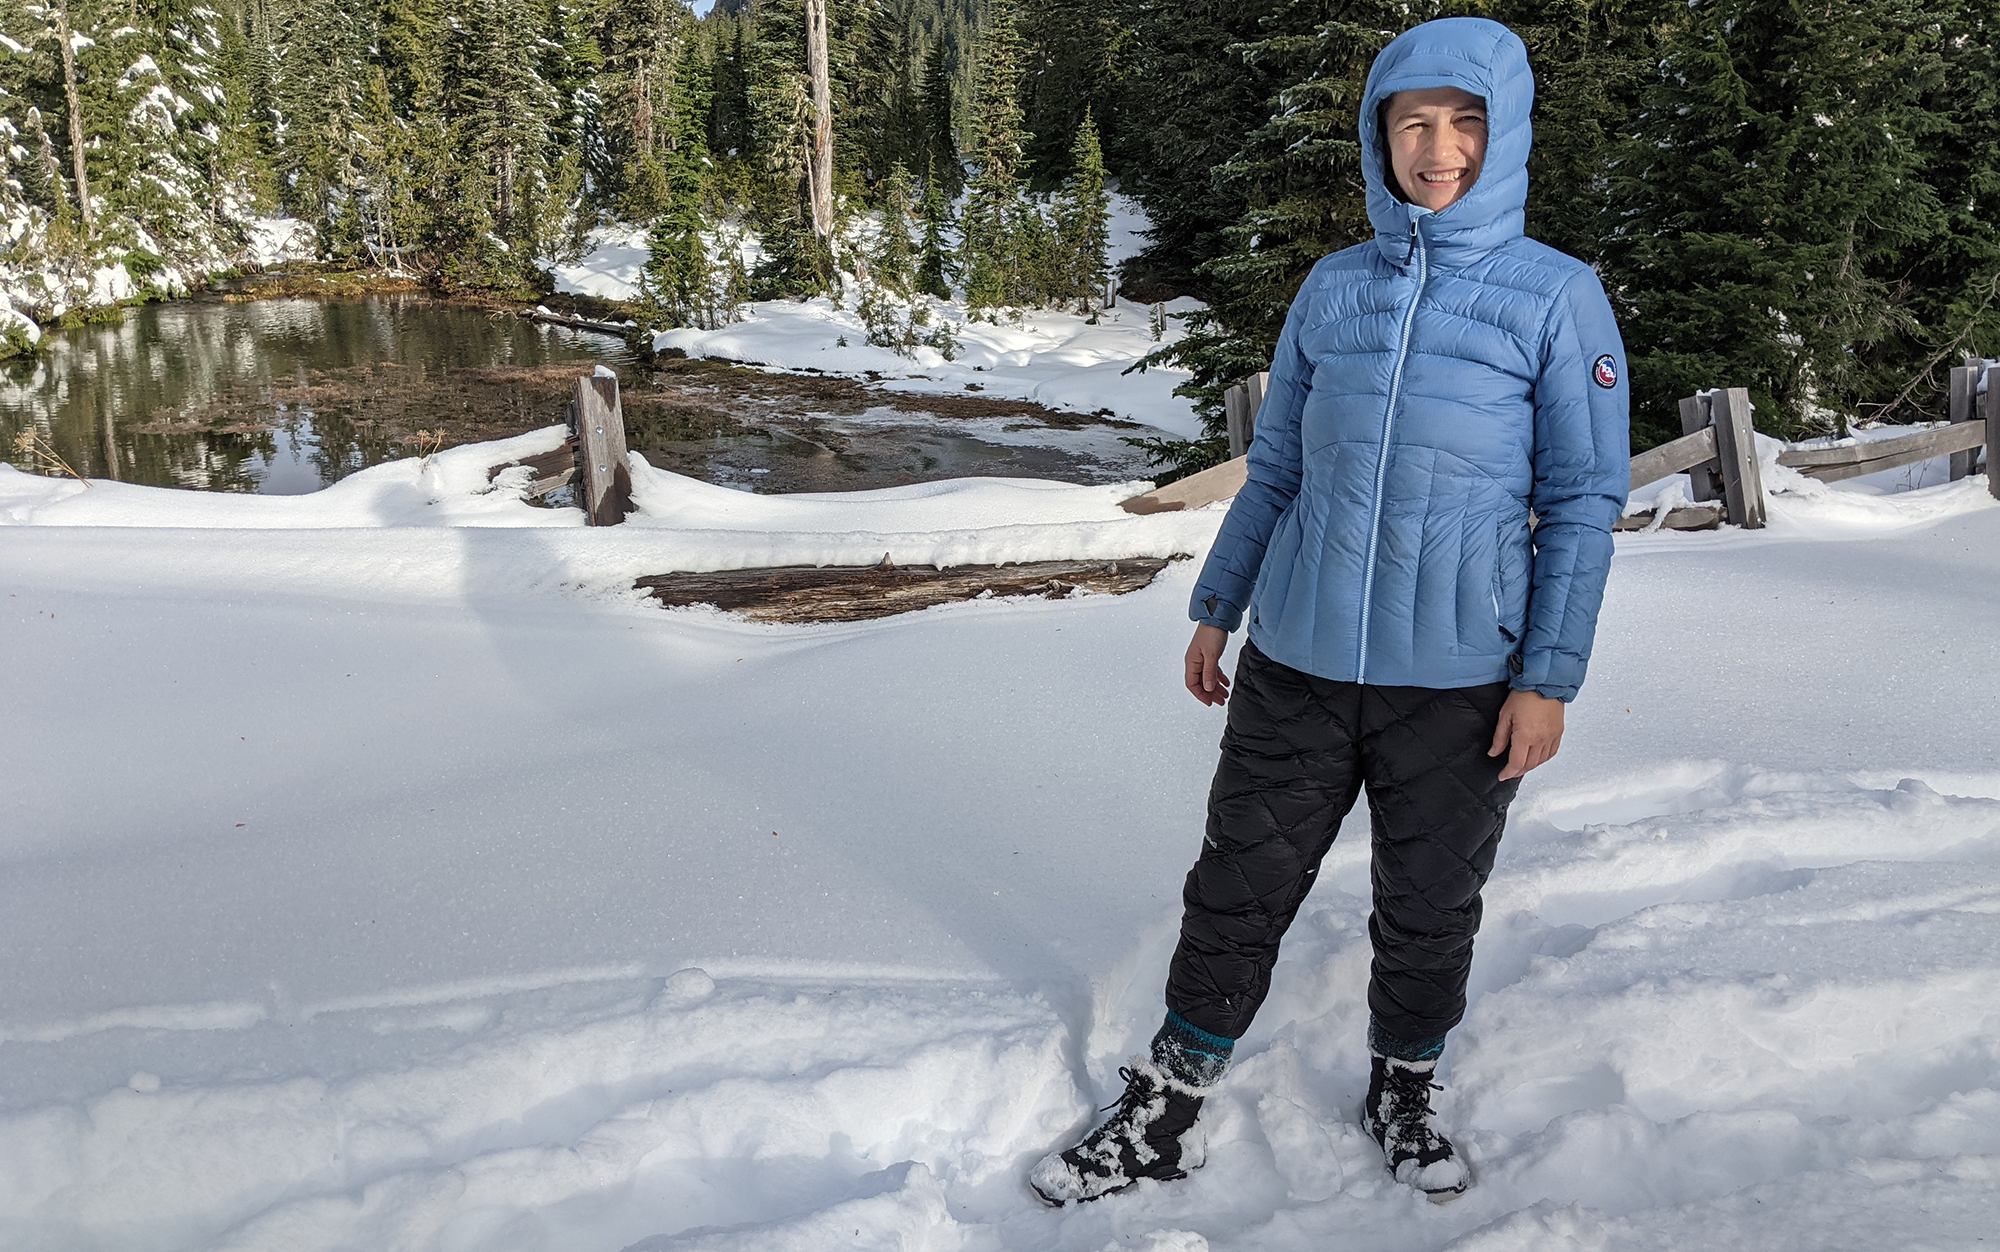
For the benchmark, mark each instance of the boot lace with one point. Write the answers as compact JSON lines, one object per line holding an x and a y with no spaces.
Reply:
{"x":1409,"y":1093}
{"x":1133,"y":1096}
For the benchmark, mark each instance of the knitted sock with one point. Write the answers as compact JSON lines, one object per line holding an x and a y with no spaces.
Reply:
{"x":1190,"y":1055}
{"x":1381,"y":1043}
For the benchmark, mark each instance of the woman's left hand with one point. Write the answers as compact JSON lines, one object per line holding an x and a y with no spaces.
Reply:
{"x":1530,"y":732}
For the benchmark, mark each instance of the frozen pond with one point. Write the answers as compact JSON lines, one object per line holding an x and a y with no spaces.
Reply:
{"x":286,"y":395}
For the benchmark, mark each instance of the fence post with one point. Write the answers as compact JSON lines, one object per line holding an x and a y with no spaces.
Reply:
{"x":1240,"y":406}
{"x":1964,"y":379}
{"x":1736,"y":450}
{"x":1989,"y":404}
{"x":1236,"y":416}
{"x":1702,"y":481}
{"x":600,"y":435}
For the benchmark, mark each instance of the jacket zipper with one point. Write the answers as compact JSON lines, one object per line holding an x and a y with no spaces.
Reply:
{"x":1388,"y":423}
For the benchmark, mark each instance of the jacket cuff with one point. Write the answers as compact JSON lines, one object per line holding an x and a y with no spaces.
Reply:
{"x":1543,"y":673}
{"x":1213,"y":610}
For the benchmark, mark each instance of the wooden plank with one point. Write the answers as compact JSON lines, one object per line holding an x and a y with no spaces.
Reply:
{"x":807,"y":593}
{"x":1964,"y":380}
{"x":544,"y":464}
{"x":543,"y":486}
{"x":1900,"y":451}
{"x":1736,"y":452}
{"x":600,"y":432}
{"x":1236,"y":419}
{"x":1694,"y":419}
{"x":1699,"y":517}
{"x":1989,"y":404}
{"x":1689,"y":452}
{"x":1217,"y":482}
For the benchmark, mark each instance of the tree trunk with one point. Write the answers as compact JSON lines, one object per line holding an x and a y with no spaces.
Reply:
{"x":75,"y":113}
{"x":820,"y":163}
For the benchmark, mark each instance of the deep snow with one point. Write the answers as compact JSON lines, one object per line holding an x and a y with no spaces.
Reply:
{"x":382,"y":873}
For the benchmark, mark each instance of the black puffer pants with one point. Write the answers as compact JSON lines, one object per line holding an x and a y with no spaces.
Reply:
{"x":1297,"y":751}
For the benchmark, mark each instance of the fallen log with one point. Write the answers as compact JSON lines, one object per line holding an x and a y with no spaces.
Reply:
{"x":576,"y":323}
{"x":850,"y":593}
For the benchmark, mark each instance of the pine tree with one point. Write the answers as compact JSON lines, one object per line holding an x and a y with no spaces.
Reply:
{"x":895,"y":254}
{"x":1083,"y":220}
{"x":939,"y":143}
{"x":1192,"y":102}
{"x":1298,"y":177}
{"x":1952,"y":281}
{"x":1076,"y":68}
{"x":993,"y":205}
{"x":934,"y":262}
{"x":1770,"y":190}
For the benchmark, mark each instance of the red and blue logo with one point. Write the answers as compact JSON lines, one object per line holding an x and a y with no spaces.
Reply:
{"x":1605,"y":371}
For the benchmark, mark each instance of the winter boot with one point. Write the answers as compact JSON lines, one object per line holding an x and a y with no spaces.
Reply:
{"x":1151,"y":1133}
{"x":1398,"y":1113}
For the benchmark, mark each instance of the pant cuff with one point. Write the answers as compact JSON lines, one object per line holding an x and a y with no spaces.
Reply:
{"x":1382,"y":1043}
{"x":1190,"y":1054}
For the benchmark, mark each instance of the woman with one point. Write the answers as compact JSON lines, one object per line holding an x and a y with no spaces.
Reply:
{"x":1412,"y":628}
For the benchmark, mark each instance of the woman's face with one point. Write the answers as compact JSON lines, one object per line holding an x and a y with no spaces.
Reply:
{"x":1437,"y":139}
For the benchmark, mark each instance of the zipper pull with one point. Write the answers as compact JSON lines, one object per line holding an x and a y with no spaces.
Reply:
{"x":1411,"y":255}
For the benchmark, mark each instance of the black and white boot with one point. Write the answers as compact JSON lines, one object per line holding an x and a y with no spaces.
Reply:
{"x":1151,"y":1133}
{"x":1398,"y":1113}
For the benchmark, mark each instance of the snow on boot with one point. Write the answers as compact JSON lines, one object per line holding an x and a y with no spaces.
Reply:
{"x":1398,"y":1113}
{"x":1151,"y":1134}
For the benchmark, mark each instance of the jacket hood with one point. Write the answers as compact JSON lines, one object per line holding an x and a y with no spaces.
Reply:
{"x":1484,"y":58}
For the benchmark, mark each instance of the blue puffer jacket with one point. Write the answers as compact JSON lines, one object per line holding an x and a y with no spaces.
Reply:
{"x":1430,"y":388}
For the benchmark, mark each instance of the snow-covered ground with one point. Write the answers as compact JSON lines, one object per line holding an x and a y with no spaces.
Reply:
{"x":1058,"y":359}
{"x":382,"y":873}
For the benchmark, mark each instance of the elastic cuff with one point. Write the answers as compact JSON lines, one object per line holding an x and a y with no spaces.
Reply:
{"x":1382,"y":1043}
{"x":1213,"y":610}
{"x":1189,"y":1054}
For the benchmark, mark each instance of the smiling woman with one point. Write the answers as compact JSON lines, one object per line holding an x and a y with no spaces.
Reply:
{"x":1437,"y":141}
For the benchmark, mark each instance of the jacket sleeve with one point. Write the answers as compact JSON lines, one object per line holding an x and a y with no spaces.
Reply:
{"x":1222,"y":593}
{"x":1582,"y":471}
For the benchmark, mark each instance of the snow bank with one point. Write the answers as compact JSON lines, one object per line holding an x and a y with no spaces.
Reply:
{"x":1057,"y":359}
{"x":1052,"y":358}
{"x":278,"y":240}
{"x":679,"y":523}
{"x":359,"y":898}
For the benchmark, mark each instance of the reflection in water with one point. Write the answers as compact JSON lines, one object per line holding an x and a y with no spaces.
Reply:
{"x":286,"y":395}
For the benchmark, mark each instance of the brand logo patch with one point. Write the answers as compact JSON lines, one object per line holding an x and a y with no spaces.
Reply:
{"x":1605,"y":371}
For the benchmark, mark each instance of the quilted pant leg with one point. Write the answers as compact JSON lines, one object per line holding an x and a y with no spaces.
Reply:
{"x":1437,"y":807}
{"x":1289,"y":773}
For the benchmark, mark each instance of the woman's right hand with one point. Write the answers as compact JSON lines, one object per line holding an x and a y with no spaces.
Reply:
{"x":1205,"y":680}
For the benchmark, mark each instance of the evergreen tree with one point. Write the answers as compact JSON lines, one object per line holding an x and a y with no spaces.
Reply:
{"x":939,"y":141}
{"x":934,"y":262}
{"x":1083,"y":220}
{"x":1951,"y":283}
{"x":993,"y":205}
{"x":1191,"y":102}
{"x":1299,"y":179}
{"x":1765,"y":203}
{"x":895,"y":254}
{"x":1076,"y":54}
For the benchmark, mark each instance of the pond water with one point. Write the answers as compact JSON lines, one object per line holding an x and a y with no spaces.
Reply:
{"x":286,"y":395}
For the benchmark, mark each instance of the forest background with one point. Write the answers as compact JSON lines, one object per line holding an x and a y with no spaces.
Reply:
{"x":1801,"y":197}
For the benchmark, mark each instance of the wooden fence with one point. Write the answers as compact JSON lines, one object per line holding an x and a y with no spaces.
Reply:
{"x":1717,"y":450}
{"x":593,"y":456}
